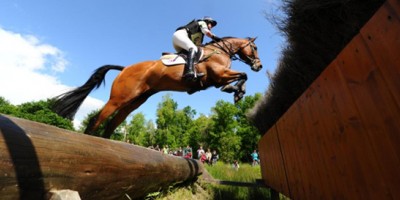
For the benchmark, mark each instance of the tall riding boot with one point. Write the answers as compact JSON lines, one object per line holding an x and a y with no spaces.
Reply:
{"x":189,"y":67}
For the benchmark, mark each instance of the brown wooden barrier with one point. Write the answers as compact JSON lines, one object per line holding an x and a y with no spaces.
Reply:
{"x":38,"y":159}
{"x":341,"y":138}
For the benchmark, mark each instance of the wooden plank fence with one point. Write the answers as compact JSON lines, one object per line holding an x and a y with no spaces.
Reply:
{"x":341,"y":138}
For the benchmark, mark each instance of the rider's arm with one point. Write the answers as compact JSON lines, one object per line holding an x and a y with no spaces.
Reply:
{"x":204,"y":29}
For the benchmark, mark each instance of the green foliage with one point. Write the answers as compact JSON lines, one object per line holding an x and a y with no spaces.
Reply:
{"x":226,"y":129}
{"x":39,"y":111}
{"x":199,"y":132}
{"x":248,"y":133}
{"x":174,"y":127}
{"x":138,"y":132}
{"x":150,"y":136}
{"x":223,"y":136}
{"x":7,"y":108}
{"x":166,"y":121}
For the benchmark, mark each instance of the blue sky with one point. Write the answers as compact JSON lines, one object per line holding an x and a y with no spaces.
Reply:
{"x":48,"y":47}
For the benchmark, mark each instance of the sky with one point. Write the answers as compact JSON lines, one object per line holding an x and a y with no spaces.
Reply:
{"x":48,"y":47}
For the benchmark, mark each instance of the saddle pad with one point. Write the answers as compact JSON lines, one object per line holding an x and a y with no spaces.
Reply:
{"x":176,"y":59}
{"x":172,"y":59}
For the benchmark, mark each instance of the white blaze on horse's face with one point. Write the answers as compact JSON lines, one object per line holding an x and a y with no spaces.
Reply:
{"x":250,"y":55}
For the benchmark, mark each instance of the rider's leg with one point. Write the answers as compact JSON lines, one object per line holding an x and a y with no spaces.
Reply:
{"x":189,"y":73}
{"x":189,"y":67}
{"x":181,"y":41}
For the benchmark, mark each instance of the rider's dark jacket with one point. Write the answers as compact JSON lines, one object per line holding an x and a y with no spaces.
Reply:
{"x":193,"y":29}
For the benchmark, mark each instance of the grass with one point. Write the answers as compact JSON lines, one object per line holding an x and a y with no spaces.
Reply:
{"x":245,"y":173}
{"x":202,"y":190}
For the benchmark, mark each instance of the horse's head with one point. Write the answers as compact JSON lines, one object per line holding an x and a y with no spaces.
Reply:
{"x":249,"y":55}
{"x":244,"y":48}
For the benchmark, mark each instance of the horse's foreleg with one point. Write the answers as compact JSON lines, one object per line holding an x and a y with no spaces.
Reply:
{"x":239,"y":88}
{"x":241,"y":85}
{"x":123,"y":113}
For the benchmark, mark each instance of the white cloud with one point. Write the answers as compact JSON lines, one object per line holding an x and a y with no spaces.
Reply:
{"x":27,"y":68}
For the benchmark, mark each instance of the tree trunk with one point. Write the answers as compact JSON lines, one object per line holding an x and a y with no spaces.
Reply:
{"x":36,"y":158}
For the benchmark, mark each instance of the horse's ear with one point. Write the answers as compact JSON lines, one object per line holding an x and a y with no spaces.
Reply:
{"x":253,"y":39}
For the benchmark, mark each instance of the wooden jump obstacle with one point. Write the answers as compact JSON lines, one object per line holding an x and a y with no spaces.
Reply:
{"x":341,"y":138}
{"x":37,"y":160}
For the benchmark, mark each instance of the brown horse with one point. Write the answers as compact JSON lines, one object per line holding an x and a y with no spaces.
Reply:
{"x":136,"y":83}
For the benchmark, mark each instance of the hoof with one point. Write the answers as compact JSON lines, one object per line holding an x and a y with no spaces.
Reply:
{"x":238,"y":96}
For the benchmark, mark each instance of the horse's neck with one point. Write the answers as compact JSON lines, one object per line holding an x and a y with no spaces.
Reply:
{"x":231,"y":45}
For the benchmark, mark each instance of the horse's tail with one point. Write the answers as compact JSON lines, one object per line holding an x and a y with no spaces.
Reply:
{"x":67,"y":104}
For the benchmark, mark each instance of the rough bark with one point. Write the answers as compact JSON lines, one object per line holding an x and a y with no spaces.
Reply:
{"x":36,"y":158}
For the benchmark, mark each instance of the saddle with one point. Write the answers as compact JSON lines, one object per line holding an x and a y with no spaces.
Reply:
{"x":171,"y":59}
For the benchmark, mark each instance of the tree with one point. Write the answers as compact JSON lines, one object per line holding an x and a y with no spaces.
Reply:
{"x":223,"y":134}
{"x":199,"y":132}
{"x":165,"y":121}
{"x":39,"y":111}
{"x":174,"y":127}
{"x":136,"y":132}
{"x":7,"y":108}
{"x":248,"y":133}
{"x":184,"y":126}
{"x":150,"y":133}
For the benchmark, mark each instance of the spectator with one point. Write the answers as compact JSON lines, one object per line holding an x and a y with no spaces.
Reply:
{"x":235,"y":165}
{"x":208,"y":156}
{"x":203,"y":158}
{"x":254,"y":157}
{"x":188,"y":154}
{"x":200,"y":152}
{"x":187,"y":150}
{"x":165,"y":149}
{"x":179,"y":152}
{"x":214,"y":157}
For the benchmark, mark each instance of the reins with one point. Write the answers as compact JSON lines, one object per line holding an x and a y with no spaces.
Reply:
{"x":232,"y":53}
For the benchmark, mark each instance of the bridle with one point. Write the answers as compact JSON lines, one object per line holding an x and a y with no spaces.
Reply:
{"x":232,"y":53}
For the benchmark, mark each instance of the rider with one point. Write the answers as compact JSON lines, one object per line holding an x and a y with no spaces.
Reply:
{"x":190,"y":36}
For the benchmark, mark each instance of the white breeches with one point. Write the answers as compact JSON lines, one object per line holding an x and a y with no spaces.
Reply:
{"x":180,"y":41}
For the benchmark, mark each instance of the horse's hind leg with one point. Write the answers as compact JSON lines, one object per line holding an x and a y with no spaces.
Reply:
{"x":107,"y":111}
{"x":123,"y":113}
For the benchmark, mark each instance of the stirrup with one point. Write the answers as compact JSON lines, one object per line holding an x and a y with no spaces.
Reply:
{"x":192,"y":76}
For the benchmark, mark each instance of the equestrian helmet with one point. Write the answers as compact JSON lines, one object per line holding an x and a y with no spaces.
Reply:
{"x":210,"y":20}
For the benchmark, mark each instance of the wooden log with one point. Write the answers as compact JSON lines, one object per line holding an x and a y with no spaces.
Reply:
{"x":36,"y":158}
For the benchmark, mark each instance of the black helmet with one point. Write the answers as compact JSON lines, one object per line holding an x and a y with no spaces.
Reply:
{"x":210,"y":20}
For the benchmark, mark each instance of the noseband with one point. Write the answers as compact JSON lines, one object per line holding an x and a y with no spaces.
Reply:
{"x":250,"y":61}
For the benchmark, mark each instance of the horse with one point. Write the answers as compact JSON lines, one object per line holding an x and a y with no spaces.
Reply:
{"x":137,"y":82}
